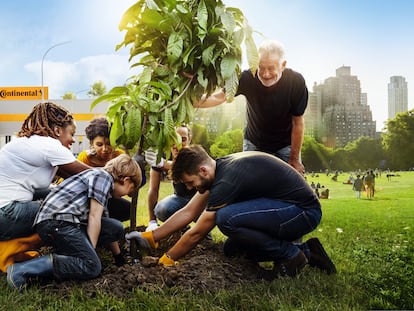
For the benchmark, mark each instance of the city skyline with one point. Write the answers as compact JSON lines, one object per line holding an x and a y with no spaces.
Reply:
{"x":373,"y":38}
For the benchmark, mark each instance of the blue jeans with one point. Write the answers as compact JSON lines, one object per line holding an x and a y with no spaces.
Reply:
{"x":73,"y":254}
{"x":283,"y":153}
{"x":16,"y":219}
{"x":267,"y":227}
{"x":169,"y":205}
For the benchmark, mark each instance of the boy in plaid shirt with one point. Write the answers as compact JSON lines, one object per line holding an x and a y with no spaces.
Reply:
{"x":73,"y":219}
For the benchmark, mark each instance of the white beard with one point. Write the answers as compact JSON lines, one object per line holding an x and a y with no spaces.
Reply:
{"x":269,"y":83}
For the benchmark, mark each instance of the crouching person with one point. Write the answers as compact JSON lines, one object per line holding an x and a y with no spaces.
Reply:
{"x":73,"y":219}
{"x":261,"y":203}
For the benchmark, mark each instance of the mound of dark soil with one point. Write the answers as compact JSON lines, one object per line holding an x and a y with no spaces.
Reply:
{"x":205,"y":268}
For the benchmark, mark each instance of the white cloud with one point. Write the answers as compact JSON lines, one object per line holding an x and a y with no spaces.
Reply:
{"x":62,"y":77}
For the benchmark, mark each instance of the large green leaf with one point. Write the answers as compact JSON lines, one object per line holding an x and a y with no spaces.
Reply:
{"x":130,"y":15}
{"x":187,"y":59}
{"x":202,"y":19}
{"x":202,"y":15}
{"x":152,"y":18}
{"x":145,"y":75}
{"x":175,"y":47}
{"x":117,"y":130}
{"x":207,"y":55}
{"x":251,"y":51}
{"x":228,"y":21}
{"x":113,"y":94}
{"x":228,"y":66}
{"x":231,"y":86}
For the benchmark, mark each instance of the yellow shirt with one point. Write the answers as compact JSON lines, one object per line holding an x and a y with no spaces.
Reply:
{"x":91,"y":160}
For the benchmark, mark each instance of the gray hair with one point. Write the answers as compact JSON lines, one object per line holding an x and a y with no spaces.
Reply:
{"x":272,"y":47}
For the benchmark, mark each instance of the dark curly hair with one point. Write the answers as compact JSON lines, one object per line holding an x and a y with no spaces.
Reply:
{"x":97,"y":127}
{"x":43,"y":119}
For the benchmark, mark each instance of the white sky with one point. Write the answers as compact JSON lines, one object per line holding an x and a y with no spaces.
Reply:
{"x":375,"y":38}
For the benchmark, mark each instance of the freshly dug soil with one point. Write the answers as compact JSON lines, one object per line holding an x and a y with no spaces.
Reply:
{"x":204,"y":269}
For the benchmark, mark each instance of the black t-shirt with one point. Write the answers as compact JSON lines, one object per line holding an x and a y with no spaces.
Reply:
{"x":251,"y":175}
{"x":270,"y":109}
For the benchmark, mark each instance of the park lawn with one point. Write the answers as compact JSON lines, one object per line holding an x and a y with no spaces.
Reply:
{"x":370,"y":241}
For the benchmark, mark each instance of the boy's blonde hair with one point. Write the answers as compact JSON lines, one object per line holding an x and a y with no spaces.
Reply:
{"x":124,"y":166}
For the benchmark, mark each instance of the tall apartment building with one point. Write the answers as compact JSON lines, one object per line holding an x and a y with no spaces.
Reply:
{"x":397,"y":96}
{"x":344,"y":112}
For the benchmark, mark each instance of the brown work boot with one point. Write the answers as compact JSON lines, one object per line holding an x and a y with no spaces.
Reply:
{"x":318,"y":257}
{"x":290,"y":267}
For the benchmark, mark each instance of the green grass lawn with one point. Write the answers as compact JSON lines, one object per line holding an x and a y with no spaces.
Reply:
{"x":370,"y":241}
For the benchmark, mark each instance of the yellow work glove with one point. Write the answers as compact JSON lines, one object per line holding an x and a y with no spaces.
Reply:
{"x":144,"y":239}
{"x":166,"y":261}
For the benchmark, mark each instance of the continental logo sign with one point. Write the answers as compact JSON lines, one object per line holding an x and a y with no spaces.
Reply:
{"x":23,"y":93}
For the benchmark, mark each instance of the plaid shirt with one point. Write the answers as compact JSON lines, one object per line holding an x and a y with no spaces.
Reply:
{"x":70,"y":200}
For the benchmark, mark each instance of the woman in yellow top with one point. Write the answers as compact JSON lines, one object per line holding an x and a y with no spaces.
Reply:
{"x":100,"y":152}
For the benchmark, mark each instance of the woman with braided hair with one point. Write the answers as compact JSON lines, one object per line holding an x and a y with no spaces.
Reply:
{"x":30,"y":162}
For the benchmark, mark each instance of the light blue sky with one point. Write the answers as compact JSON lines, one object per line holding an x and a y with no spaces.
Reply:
{"x":375,"y":38}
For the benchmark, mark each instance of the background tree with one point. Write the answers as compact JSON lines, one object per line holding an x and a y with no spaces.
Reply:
{"x":398,"y":140}
{"x":199,"y":136}
{"x":97,"y":89}
{"x":315,"y":155}
{"x":339,"y":160}
{"x":229,"y":142}
{"x":364,"y":153}
{"x":69,"y":95}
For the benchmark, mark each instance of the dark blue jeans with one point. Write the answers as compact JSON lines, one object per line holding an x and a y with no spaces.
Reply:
{"x":73,"y":254}
{"x":283,"y":153}
{"x":16,"y":219}
{"x":267,"y":227}
{"x":169,"y":205}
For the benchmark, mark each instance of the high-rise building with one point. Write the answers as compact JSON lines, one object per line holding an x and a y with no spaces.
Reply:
{"x":397,"y":96}
{"x":344,"y":111}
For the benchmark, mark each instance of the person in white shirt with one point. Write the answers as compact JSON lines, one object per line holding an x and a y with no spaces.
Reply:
{"x":30,"y":163}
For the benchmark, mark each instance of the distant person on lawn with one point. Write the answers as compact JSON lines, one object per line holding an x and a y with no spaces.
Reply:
{"x":358,"y":186}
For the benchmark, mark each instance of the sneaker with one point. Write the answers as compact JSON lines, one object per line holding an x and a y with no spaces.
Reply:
{"x":290,"y":267}
{"x":318,"y":257}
